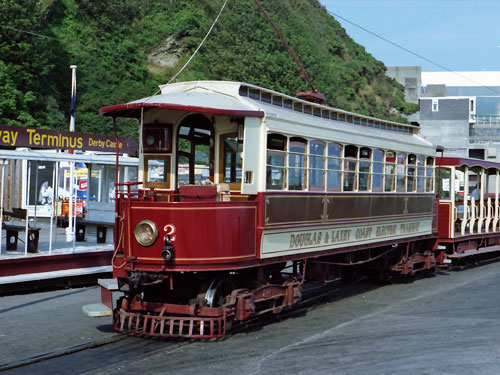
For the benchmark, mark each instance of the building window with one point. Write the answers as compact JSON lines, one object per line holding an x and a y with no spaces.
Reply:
{"x":435,"y":105}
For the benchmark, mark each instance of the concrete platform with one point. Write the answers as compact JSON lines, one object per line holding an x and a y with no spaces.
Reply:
{"x":55,"y":260}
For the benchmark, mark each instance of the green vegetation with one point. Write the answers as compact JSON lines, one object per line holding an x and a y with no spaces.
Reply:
{"x":110,"y":42}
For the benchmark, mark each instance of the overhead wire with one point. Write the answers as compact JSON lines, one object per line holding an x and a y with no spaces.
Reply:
{"x":412,"y":53}
{"x":76,"y":44}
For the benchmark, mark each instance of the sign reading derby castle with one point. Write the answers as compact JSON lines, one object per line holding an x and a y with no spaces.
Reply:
{"x":15,"y":136}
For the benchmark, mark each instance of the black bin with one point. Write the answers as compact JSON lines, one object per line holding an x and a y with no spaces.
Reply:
{"x":101,"y":234}
{"x":33,"y":235}
{"x":11,"y":240}
{"x":80,"y":232}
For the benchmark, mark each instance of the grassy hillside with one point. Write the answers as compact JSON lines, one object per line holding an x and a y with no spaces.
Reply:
{"x":125,"y":48}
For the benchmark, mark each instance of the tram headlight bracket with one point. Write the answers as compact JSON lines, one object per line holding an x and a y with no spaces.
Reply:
{"x":146,"y":233}
{"x":167,"y":253}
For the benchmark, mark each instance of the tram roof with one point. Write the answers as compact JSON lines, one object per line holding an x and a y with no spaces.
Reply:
{"x":466,"y":162}
{"x":198,"y":97}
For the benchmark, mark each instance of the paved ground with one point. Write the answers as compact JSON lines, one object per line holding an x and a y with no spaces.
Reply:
{"x":448,"y":324}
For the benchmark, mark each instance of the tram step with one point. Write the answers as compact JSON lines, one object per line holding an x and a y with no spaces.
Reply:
{"x":97,"y":310}
{"x":109,"y":284}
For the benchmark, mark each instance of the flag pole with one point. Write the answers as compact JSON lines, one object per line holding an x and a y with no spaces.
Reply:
{"x":70,"y":232}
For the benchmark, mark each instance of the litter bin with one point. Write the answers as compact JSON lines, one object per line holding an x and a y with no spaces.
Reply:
{"x":101,"y":234}
{"x":80,"y":232}
{"x":33,"y":235}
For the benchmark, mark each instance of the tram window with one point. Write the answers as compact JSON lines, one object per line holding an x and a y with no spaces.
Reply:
{"x":349,"y":119}
{"x":276,"y":157}
{"x":316,"y":166}
{"x":390,"y":168}
{"x":411,"y":173}
{"x":297,"y":106}
{"x":278,"y":100}
{"x":265,"y":97}
{"x":420,"y":173}
{"x":350,"y":162}
{"x":231,"y":171}
{"x":325,"y":114}
{"x":363,"y":122}
{"x":157,"y":171}
{"x":333,"y":115}
{"x":429,"y":175}
{"x":370,"y":123}
{"x":364,"y":169}
{"x":341,"y":117}
{"x":444,"y":194}
{"x":157,"y":138}
{"x":333,"y":166}
{"x":254,"y":94}
{"x":317,"y":112}
{"x":378,"y":171}
{"x":296,"y":164}
{"x":400,"y":172}
{"x":288,"y":104}
{"x":307,"y":109}
{"x":195,"y":150}
{"x":356,"y":120}
{"x":243,"y":91}
{"x":383,"y":126}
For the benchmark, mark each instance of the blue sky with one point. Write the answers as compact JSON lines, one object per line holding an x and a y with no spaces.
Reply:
{"x":461,"y":35}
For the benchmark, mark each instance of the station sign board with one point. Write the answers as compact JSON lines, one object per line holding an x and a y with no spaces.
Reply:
{"x":16,"y":136}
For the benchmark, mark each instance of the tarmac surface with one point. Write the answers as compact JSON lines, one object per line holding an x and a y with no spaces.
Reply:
{"x":444,"y":324}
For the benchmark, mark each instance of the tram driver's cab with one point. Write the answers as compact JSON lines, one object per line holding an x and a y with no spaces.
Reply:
{"x":199,"y":158}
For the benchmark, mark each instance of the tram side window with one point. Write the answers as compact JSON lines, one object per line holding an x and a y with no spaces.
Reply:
{"x":364,"y":169}
{"x":400,"y":172}
{"x":420,"y":173}
{"x":316,"y":166}
{"x":429,"y":175}
{"x":378,"y":171}
{"x":333,"y":166}
{"x":276,"y":158}
{"x":411,"y":173}
{"x":297,"y":164}
{"x":232,"y":160}
{"x":390,"y":169}
{"x":444,"y":194}
{"x":350,"y":162}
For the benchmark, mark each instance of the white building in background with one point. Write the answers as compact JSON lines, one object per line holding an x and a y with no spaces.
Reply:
{"x":458,"y":110}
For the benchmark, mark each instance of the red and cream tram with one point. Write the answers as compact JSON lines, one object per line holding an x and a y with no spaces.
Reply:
{"x":469,"y":208}
{"x":245,"y":193}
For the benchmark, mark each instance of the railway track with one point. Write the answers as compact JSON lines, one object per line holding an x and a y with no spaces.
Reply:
{"x":312,"y":297}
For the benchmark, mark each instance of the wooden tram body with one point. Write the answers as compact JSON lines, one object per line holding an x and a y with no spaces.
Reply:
{"x":244,"y":193}
{"x":469,"y":208}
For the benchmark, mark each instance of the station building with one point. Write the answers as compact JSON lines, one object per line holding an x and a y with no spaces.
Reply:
{"x":458,"y":110}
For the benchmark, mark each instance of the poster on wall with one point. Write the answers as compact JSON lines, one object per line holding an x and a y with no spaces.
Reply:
{"x":41,"y":189}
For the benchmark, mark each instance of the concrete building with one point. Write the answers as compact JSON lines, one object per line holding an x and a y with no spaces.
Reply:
{"x":458,"y":110}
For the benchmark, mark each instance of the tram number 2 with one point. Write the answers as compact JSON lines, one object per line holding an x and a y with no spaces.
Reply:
{"x":170,"y":230}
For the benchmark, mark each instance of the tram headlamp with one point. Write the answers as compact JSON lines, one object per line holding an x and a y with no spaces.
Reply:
{"x":168,"y":251}
{"x":146,"y":233}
